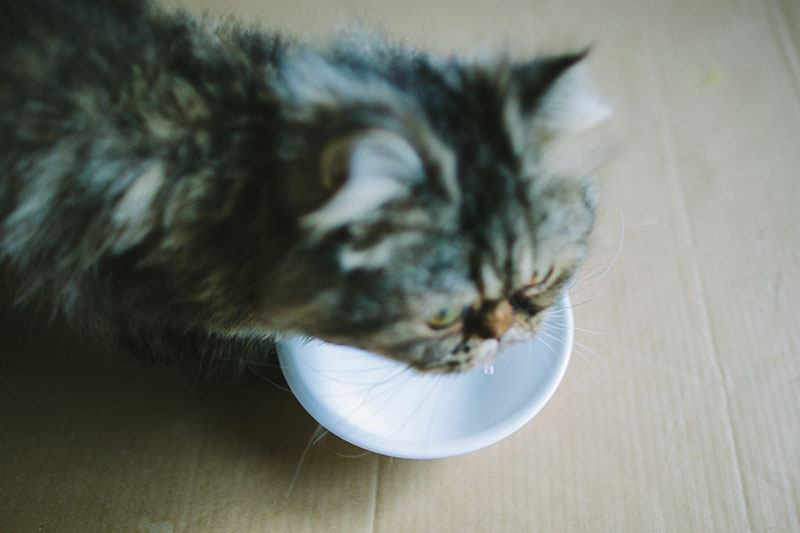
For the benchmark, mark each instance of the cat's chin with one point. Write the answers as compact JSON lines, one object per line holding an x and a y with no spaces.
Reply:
{"x":514,"y":336}
{"x":481,"y":356}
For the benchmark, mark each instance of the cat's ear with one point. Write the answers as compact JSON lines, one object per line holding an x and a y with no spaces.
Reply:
{"x":556,"y":94}
{"x":557,"y":116}
{"x":361,"y":172}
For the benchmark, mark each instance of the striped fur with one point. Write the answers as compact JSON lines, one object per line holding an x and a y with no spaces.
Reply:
{"x":191,"y":189}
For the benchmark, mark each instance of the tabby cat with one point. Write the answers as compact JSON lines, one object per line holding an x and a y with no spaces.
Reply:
{"x":192,"y":189}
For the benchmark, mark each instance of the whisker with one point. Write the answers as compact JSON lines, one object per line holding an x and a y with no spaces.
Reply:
{"x":590,"y":350}
{"x":584,"y":302}
{"x":575,"y":287}
{"x":435,"y":387}
{"x":318,"y":434}
{"x":551,"y":336}
{"x":642,"y":224}
{"x":562,"y":327}
{"x":619,"y":248}
{"x":389,"y":388}
{"x":322,"y":434}
{"x":599,"y":273}
{"x":258,"y":362}
{"x":351,"y":456}
{"x":597,"y":356}
{"x":588,"y":360}
{"x":268,"y":380}
{"x":593,"y":332}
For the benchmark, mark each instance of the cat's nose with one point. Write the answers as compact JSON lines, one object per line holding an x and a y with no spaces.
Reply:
{"x":494,"y":319}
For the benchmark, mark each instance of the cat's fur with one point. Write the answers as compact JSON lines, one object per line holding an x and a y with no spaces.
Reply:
{"x":191,"y":188}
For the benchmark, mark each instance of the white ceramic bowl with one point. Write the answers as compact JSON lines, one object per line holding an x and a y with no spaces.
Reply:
{"x":385,"y":407}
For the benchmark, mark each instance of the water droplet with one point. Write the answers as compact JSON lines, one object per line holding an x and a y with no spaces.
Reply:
{"x":488,"y":370}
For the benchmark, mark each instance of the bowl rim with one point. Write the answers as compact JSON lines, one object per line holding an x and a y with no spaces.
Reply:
{"x":426,"y":449}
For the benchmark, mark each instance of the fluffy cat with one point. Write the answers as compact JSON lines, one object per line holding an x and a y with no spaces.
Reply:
{"x":192,"y":189}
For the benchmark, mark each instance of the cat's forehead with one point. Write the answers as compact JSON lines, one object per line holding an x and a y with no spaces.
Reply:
{"x":473,"y":106}
{"x":459,"y":168}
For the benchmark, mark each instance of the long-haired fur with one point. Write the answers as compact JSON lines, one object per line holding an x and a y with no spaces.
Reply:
{"x":191,"y":188}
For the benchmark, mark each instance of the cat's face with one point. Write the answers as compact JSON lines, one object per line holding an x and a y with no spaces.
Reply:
{"x":447,"y":210}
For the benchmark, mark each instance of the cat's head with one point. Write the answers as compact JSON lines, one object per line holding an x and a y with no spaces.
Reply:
{"x":445,"y":203}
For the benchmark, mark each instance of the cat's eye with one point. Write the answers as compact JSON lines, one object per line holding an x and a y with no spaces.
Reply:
{"x":538,"y":282}
{"x":445,"y":317}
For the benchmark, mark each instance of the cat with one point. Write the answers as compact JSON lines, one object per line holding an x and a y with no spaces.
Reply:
{"x":192,"y":189}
